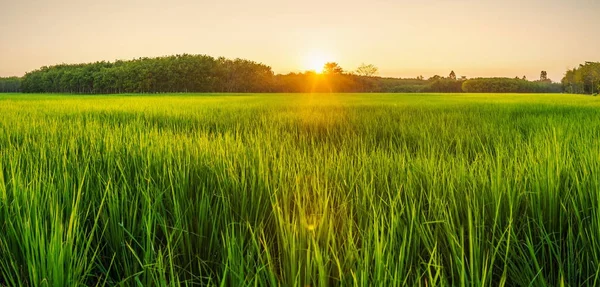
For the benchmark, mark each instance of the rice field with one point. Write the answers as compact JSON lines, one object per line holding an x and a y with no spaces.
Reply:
{"x":300,"y":190}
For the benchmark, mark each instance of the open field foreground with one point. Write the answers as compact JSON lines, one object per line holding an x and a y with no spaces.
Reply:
{"x":300,"y":190}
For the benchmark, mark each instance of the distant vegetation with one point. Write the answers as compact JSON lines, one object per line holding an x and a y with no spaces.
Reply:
{"x":201,"y":73}
{"x":506,"y":85}
{"x":10,"y":85}
{"x":583,"y":80}
{"x":182,"y":73}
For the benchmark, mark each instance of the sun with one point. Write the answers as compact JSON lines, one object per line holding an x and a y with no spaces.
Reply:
{"x":315,"y":62}
{"x":316,"y":65}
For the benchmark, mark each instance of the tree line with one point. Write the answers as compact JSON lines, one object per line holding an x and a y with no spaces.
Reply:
{"x":202,"y":73}
{"x":584,"y":79}
{"x":179,"y":73}
{"x":507,"y":85}
{"x":10,"y":85}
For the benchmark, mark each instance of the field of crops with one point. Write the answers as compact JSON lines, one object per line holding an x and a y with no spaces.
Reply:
{"x":300,"y":190}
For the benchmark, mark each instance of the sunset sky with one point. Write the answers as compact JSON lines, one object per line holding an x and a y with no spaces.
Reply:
{"x":403,"y":38}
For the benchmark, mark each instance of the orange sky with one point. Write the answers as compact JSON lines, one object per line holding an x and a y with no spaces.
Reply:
{"x":404,"y":38}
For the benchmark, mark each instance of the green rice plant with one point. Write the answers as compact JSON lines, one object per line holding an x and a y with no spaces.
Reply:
{"x":299,"y":190}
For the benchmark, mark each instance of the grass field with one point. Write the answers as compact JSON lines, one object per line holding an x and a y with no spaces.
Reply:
{"x":300,"y":190}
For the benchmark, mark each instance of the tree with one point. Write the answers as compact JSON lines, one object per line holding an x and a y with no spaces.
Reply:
{"x":444,"y":86}
{"x":332,"y":68}
{"x":508,"y":85}
{"x":593,"y":75}
{"x":366,"y":70}
{"x":452,"y":76}
{"x":543,"y":76}
{"x":524,"y":78}
{"x":178,"y":73}
{"x":583,"y":80}
{"x":10,"y":85}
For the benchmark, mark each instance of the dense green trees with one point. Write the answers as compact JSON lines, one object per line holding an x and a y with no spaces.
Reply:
{"x":201,"y":73}
{"x":507,"y":85}
{"x":445,"y":85}
{"x":180,"y":73}
{"x":583,"y":80}
{"x":10,"y":85}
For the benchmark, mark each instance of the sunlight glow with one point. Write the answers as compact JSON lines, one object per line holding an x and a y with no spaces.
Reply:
{"x":315,"y":61}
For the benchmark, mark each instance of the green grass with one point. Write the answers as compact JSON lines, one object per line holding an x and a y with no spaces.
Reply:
{"x":297,"y":190}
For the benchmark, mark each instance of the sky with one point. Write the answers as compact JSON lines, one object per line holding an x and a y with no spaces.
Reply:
{"x":403,"y":38}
